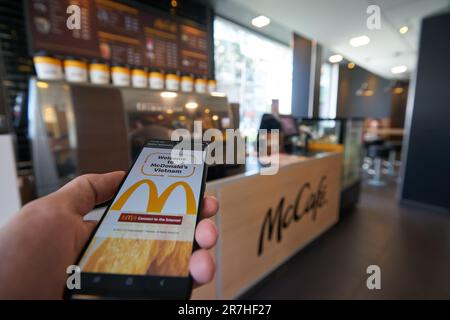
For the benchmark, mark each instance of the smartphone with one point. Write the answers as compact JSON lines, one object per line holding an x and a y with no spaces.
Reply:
{"x":144,"y":240}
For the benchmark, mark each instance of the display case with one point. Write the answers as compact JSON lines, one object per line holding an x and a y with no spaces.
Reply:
{"x":344,"y":135}
{"x":324,"y":133}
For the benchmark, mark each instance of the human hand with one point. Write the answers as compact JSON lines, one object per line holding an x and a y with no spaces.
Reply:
{"x":48,"y":235}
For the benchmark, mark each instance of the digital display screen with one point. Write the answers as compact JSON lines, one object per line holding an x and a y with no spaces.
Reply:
{"x":149,"y":227}
{"x":289,"y":125}
{"x":119,"y":33}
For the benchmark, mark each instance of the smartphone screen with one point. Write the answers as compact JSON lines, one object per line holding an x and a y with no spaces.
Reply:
{"x":145,"y":239}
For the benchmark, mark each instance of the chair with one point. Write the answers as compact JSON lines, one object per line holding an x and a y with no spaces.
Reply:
{"x":394,"y":148}
{"x":368,"y":161}
{"x":377,"y":153}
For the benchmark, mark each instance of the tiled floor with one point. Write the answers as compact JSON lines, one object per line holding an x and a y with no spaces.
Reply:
{"x":411,"y":246}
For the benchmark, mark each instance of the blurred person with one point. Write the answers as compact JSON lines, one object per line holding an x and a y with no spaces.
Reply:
{"x":271,"y":121}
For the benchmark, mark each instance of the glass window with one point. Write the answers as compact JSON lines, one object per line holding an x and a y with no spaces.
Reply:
{"x":329,"y":78}
{"x":252,"y":70}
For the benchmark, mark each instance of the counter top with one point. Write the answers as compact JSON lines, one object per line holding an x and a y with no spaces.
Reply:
{"x":253,"y":167}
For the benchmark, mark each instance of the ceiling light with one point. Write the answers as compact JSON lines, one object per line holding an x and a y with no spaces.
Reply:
{"x":403,"y":29}
{"x":359,"y":41}
{"x":168,"y":94}
{"x":260,"y":21}
{"x":215,"y":117}
{"x":351,"y":65}
{"x":335,"y":58}
{"x":399,"y":69}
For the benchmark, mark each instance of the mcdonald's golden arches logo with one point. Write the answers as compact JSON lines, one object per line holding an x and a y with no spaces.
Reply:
{"x":155,"y":202}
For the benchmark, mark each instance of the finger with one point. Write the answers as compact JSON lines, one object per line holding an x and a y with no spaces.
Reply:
{"x":90,"y":225}
{"x":210,"y":207}
{"x":201,"y":267}
{"x":206,"y":234}
{"x":83,"y":193}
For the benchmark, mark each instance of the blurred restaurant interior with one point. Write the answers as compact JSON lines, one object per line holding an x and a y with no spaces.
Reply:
{"x":359,"y":88}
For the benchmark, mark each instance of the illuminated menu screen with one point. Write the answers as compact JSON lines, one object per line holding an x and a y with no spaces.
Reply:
{"x":118,"y":33}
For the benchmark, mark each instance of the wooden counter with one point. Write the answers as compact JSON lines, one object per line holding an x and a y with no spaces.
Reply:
{"x":264,"y":220}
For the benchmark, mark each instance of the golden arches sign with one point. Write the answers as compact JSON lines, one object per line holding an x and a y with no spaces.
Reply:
{"x":156,"y":203}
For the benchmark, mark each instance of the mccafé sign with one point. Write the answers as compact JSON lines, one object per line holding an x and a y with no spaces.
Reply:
{"x":156,"y":202}
{"x":307,"y":202}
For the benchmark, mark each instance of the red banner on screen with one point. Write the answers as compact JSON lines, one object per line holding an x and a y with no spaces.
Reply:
{"x":150,"y":218}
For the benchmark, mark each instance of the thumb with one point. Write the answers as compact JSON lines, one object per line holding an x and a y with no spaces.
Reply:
{"x":83,"y":193}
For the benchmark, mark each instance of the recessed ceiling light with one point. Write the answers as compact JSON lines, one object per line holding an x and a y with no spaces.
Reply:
{"x":351,"y":65}
{"x":403,"y":29}
{"x":260,"y":21}
{"x":399,"y":69}
{"x":359,"y":41}
{"x":335,"y":58}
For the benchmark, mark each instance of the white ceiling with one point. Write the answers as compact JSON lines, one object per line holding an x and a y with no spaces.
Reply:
{"x":334,"y":22}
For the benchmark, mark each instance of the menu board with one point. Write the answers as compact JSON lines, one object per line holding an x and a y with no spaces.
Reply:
{"x":48,"y":24}
{"x":119,"y":33}
{"x":194,"y":49}
{"x":161,"y":42}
